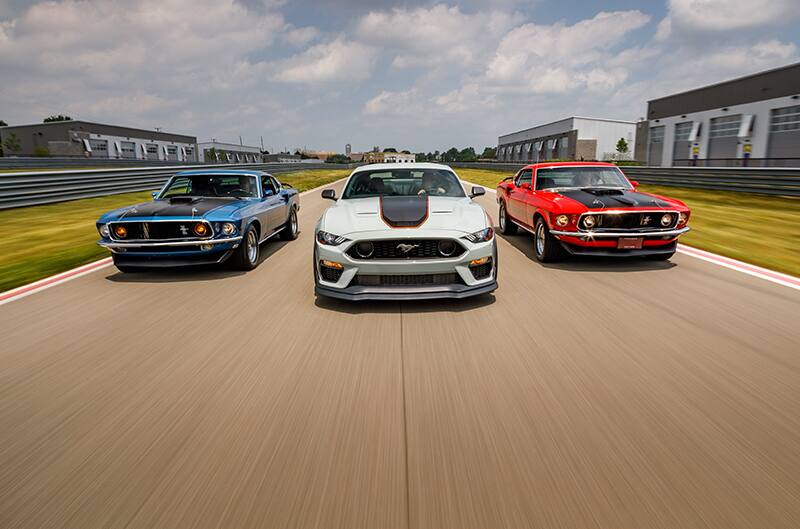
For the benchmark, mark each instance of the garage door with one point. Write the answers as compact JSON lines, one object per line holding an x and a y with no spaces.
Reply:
{"x":783,"y":148}
{"x":723,"y":140}
{"x":682,"y":144}
{"x":655,"y":147}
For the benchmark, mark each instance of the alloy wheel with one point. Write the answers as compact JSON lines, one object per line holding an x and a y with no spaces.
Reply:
{"x":252,"y":246}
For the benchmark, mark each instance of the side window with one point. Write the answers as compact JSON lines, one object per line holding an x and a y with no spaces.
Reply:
{"x":267,"y":186}
{"x":275,"y":184}
{"x":524,"y":177}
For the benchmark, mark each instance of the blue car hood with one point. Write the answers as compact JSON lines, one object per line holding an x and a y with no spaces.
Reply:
{"x":199,"y":207}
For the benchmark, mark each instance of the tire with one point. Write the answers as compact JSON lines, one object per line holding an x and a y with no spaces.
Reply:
{"x":507,"y":227}
{"x":291,"y":228}
{"x":546,"y":247}
{"x":245,"y":257}
{"x":123,"y":268}
{"x":659,"y":256}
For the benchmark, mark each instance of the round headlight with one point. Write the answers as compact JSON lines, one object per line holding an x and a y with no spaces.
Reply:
{"x":666,"y":219}
{"x":562,"y":220}
{"x":589,"y":221}
{"x":365,"y":249}
{"x":683,"y":218}
{"x":446,"y":247}
{"x":120,"y":231}
{"x":228,"y":228}
{"x":104,"y":231}
{"x":200,"y":229}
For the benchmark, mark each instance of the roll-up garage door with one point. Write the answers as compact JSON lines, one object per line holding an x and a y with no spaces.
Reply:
{"x":682,"y":145}
{"x":655,"y":147}
{"x":723,"y":140}
{"x":783,"y":148}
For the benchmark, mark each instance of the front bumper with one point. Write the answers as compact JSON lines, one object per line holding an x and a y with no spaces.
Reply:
{"x":161,"y":254}
{"x":464,"y":283}
{"x":604,"y":244}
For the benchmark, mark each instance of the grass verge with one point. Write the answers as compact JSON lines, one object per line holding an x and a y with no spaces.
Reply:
{"x":756,"y":229}
{"x":40,"y":241}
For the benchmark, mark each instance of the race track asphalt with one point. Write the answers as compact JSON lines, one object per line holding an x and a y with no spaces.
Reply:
{"x":588,"y":394}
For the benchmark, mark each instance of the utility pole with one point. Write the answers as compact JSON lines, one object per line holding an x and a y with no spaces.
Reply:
{"x":240,"y":140}
{"x":262,"y":143}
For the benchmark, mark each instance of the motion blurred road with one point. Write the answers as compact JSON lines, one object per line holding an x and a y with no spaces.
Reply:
{"x":611,"y":394}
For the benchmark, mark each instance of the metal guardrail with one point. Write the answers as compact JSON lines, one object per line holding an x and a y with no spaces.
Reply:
{"x":32,"y":188}
{"x":776,"y":181}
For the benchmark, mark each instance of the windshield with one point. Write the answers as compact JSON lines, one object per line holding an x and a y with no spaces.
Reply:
{"x":580,"y":177}
{"x":403,"y":183}
{"x":234,"y":186}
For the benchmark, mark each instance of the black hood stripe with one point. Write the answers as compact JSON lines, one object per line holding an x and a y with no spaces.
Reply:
{"x":618,"y":200}
{"x":163,"y":208}
{"x":404,"y":212}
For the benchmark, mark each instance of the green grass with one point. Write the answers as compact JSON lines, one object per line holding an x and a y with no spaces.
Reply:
{"x":757,"y":229}
{"x":40,"y":241}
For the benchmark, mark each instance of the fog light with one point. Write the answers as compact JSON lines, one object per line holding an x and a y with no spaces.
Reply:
{"x":446,"y":248}
{"x":331,"y":264}
{"x":206,"y":247}
{"x":562,"y":220}
{"x":200,"y":229}
{"x":589,"y":221}
{"x":481,"y":261}
{"x":666,"y":220}
{"x":365,"y":249}
{"x":120,"y":231}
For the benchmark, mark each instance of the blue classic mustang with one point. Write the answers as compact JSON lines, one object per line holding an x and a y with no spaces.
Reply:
{"x":202,"y":217}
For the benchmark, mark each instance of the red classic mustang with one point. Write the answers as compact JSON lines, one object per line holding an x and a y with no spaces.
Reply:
{"x":589,"y":208}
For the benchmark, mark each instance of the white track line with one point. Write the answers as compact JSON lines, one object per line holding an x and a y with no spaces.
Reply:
{"x":43,"y":284}
{"x":720,"y":260}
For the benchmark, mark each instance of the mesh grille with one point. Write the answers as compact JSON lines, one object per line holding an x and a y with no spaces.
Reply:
{"x":160,"y":230}
{"x":330,"y":274}
{"x":407,"y":280}
{"x":481,"y":271}
{"x":632,"y":221}
{"x":416,"y":249}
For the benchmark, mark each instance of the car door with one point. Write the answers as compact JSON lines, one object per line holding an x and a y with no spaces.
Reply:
{"x":517,"y":206}
{"x":271,"y":205}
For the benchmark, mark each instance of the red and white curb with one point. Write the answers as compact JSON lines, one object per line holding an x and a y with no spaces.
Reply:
{"x":43,"y":284}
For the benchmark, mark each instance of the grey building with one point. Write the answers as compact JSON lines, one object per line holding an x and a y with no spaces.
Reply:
{"x":217,"y":151}
{"x":573,"y":138}
{"x":98,"y":140}
{"x":750,"y":121}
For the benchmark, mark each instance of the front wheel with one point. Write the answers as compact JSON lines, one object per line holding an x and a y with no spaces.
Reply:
{"x":507,"y":226}
{"x":546,"y":247}
{"x":291,"y":228}
{"x":246,"y":255}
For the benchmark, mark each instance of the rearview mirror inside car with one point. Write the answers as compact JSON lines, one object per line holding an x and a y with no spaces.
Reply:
{"x":477,"y":191}
{"x":330,"y":194}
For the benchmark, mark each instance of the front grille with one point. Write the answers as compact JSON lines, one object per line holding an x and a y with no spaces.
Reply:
{"x":159,"y":230}
{"x":646,"y":221}
{"x":416,"y":249}
{"x":481,"y":271}
{"x":331,"y":275}
{"x":406,"y":280}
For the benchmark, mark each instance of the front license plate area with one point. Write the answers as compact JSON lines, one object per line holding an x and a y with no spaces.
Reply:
{"x":630,"y":243}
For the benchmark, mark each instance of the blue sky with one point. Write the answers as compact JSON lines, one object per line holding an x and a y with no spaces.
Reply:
{"x":414,"y":75}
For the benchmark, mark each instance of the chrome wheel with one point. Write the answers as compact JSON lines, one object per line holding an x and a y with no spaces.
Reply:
{"x":293,"y":222}
{"x":502,"y":219}
{"x":540,"y":235}
{"x":252,"y":246}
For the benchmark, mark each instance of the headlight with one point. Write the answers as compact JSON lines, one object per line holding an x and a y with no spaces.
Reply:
{"x":120,"y":231}
{"x":683,"y":218}
{"x":480,"y":236}
{"x":562,"y":220}
{"x":666,"y":219}
{"x":228,"y":228}
{"x":323,"y":237}
{"x":200,"y":229}
{"x":104,"y":231}
{"x":589,"y":221}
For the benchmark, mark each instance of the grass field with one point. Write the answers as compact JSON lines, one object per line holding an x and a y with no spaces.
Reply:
{"x":756,"y":229}
{"x":39,"y":241}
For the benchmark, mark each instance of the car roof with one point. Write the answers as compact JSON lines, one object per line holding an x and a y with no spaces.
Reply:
{"x":568,"y":164}
{"x":414,"y":165}
{"x":243,"y":172}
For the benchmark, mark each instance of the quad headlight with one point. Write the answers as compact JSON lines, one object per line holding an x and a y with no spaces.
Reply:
{"x":104,"y":231}
{"x":481,"y":236}
{"x":562,"y":220}
{"x":666,"y":219}
{"x":228,"y":228}
{"x":589,"y":221}
{"x":329,"y":239}
{"x":683,"y":218}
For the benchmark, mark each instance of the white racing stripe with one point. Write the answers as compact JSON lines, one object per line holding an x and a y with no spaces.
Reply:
{"x":720,"y":260}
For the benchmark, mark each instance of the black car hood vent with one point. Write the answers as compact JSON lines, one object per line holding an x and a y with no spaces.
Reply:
{"x":404,"y":212}
{"x":194,"y":207}
{"x":182,"y":200}
{"x":613,"y":198}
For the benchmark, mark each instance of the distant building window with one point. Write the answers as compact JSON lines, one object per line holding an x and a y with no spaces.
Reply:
{"x":152,"y":149}
{"x":171,"y":149}
{"x":657,"y":134}
{"x":683,"y":130}
{"x":784,"y":119}
{"x":128,"y":149}
{"x":99,"y":147}
{"x":725,"y":126}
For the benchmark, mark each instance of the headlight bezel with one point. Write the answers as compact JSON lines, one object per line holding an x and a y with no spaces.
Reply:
{"x":484,"y":235}
{"x":104,"y":230}
{"x":329,"y":239}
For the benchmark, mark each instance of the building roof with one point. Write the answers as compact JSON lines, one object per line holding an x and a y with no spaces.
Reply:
{"x":228,"y":146}
{"x":568,"y":119}
{"x":111,"y":130}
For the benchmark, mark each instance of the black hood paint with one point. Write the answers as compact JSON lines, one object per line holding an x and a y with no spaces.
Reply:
{"x":163,"y":208}
{"x":404,"y":212}
{"x":602,"y":199}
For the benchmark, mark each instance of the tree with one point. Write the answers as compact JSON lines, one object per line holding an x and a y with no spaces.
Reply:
{"x":60,"y":117}
{"x":489,"y":153}
{"x":451,"y":155}
{"x":12,"y":144}
{"x":467,"y":155}
{"x":390,"y":149}
{"x":406,"y":152}
{"x":338,"y":158}
{"x":622,"y":146}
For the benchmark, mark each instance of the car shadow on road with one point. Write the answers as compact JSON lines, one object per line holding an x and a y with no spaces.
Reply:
{"x":578,"y":263}
{"x":407,"y":306}
{"x":192,"y":273}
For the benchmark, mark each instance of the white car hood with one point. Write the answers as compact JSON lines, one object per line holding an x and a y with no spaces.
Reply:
{"x":364,"y":214}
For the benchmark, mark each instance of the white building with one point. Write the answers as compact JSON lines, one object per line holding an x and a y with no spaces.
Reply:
{"x":228,"y":153}
{"x":573,"y":138}
{"x":399,"y":157}
{"x":750,"y":121}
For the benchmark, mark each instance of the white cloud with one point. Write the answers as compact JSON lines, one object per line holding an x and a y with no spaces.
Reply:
{"x":394,"y":103}
{"x":725,"y":15}
{"x":338,"y":60}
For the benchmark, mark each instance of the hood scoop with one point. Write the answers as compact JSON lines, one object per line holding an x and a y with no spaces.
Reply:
{"x":598,"y":192}
{"x":182,"y":200}
{"x":404,"y":212}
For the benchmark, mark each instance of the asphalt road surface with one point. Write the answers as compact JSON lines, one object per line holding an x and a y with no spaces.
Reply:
{"x":589,"y":394}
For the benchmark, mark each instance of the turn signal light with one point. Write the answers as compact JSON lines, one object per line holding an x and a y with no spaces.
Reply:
{"x":478,"y":262}
{"x":200,"y":229}
{"x":331,"y":264}
{"x":120,"y":231}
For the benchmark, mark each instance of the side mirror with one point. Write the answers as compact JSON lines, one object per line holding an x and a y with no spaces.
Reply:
{"x":634,"y":183}
{"x":511,"y":178}
{"x":330,"y":194}
{"x":154,"y":194}
{"x":477,"y":192}
{"x":526,"y":185}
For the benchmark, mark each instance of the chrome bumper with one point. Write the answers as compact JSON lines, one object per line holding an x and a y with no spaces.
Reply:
{"x":607,"y":234}
{"x":149,"y":244}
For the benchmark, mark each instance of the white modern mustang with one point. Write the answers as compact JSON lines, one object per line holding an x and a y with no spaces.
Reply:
{"x":404,"y":231}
